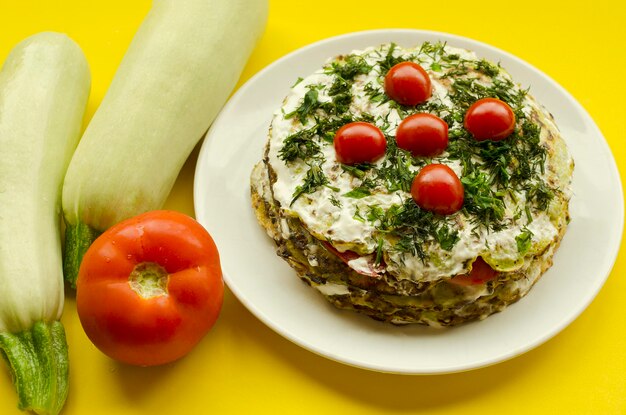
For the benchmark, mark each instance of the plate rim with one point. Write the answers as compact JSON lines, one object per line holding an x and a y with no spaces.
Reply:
{"x":513,"y":352}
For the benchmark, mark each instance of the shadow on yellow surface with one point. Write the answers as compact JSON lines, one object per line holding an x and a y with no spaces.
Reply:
{"x":389,"y":392}
{"x":138,"y":384}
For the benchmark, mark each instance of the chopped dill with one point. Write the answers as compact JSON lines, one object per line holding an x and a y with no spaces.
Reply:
{"x":482,"y":203}
{"x":487,"y":68}
{"x":389,"y":60}
{"x":348,"y":68}
{"x":308,"y":106}
{"x":510,"y":164}
{"x":465,"y":91}
{"x":435,"y":52}
{"x":395,"y":171}
{"x":339,"y":86}
{"x":300,"y":145}
{"x":334,"y":201}
{"x":415,"y":227}
{"x":540,"y":195}
{"x":375,"y":94}
{"x":314,"y":179}
{"x":446,"y":237}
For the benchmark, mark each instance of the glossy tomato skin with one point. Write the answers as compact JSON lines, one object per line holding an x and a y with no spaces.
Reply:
{"x":359,"y":142}
{"x":490,"y":119}
{"x":423,"y":134}
{"x":158,"y":329}
{"x":407,"y":83}
{"x":437,"y":188}
{"x":481,"y":273}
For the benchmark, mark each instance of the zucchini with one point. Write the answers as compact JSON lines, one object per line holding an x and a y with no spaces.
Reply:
{"x":44,"y":88}
{"x":179,"y":69}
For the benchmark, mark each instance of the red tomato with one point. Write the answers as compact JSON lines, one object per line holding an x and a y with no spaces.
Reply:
{"x":424,"y":135}
{"x":481,"y":273}
{"x":373,"y":270}
{"x":359,"y":142}
{"x":407,"y":83}
{"x":150,"y":288}
{"x":437,"y":188}
{"x":490,"y":119}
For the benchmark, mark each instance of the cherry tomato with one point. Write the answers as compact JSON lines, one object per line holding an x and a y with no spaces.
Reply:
{"x":372,"y":270}
{"x":150,"y":288}
{"x":424,"y":135}
{"x":481,"y":273}
{"x":437,"y":188}
{"x":359,"y":142}
{"x":407,"y":83}
{"x":490,"y":119}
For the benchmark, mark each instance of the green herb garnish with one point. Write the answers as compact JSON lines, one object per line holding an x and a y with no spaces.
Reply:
{"x":300,"y":145}
{"x":487,"y":68}
{"x":482,"y":203}
{"x":389,"y":60}
{"x":379,"y":252}
{"x":348,"y":68}
{"x":314,"y":179}
{"x":413,"y":227}
{"x":524,"y":240}
{"x":309,"y":105}
{"x":334,"y":201}
{"x":395,"y":171}
{"x":540,"y":195}
{"x":358,"y":193}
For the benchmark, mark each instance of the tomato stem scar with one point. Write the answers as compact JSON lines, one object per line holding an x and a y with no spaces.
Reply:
{"x":149,"y":279}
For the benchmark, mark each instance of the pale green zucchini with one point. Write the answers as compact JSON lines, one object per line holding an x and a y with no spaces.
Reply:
{"x":44,"y":87}
{"x":180,"y":68}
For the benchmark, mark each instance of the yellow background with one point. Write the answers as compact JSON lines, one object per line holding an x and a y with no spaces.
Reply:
{"x":244,"y":367}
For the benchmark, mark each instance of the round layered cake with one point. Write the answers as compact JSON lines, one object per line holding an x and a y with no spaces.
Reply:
{"x":414,"y":185}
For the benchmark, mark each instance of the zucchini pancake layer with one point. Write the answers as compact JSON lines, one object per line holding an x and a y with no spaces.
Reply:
{"x":355,"y":233}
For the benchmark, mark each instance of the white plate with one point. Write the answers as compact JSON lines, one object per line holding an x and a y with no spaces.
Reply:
{"x":269,"y":288}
